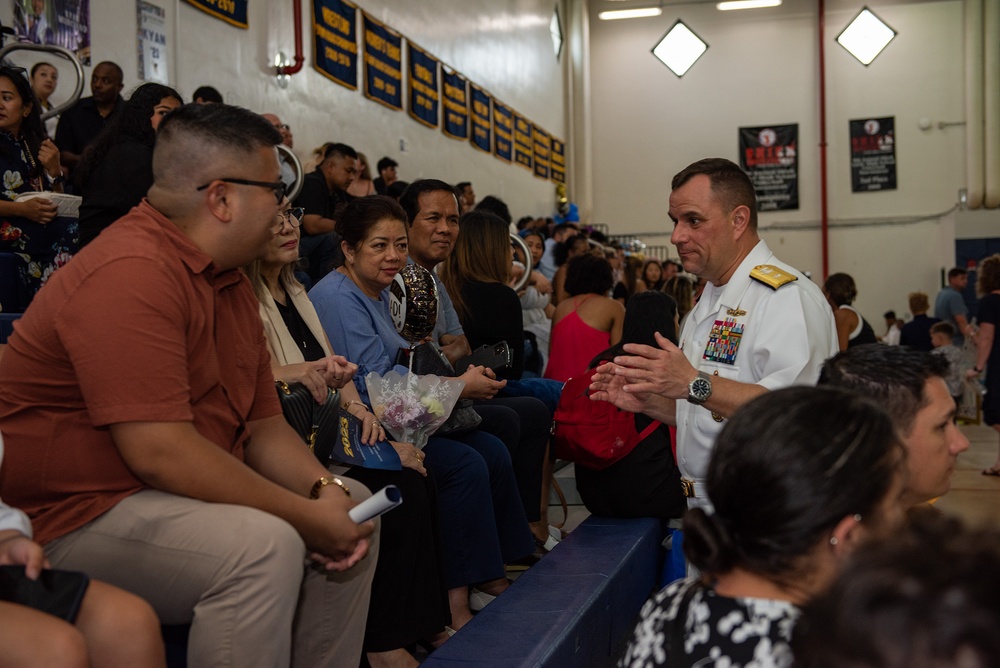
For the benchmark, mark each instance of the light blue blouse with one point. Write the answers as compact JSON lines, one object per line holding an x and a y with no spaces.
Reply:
{"x":359,"y":328}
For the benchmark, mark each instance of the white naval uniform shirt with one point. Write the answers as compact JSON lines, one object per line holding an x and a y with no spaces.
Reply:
{"x":771,"y":337}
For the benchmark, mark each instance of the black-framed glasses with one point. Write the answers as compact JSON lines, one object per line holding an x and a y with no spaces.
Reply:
{"x":292,"y":216}
{"x":277,"y":186}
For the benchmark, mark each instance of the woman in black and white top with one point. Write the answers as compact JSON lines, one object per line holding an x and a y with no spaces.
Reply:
{"x":798,"y":478}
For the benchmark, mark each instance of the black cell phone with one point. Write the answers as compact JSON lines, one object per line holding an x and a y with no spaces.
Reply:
{"x":56,"y":592}
{"x":496,"y":356}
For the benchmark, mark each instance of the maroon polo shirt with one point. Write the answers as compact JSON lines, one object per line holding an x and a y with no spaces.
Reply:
{"x":138,"y":327}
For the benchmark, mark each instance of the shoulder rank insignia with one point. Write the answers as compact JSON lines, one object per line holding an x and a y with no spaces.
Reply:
{"x":771,"y":276}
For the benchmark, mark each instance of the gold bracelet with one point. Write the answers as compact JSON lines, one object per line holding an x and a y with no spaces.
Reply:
{"x":323,"y":482}
{"x":354,"y":402}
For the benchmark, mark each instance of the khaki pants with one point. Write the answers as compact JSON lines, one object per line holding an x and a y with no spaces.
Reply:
{"x":236,"y":574}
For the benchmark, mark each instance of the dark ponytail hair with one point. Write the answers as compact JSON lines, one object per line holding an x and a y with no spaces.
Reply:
{"x":786,"y":469}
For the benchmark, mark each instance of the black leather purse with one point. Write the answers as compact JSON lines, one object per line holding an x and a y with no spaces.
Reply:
{"x":429,"y":360}
{"x":317,"y":424}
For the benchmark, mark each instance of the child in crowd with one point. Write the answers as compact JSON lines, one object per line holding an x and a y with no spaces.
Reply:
{"x":941,"y":339}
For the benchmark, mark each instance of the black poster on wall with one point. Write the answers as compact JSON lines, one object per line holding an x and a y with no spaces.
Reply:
{"x":769,"y":154}
{"x":873,"y":154}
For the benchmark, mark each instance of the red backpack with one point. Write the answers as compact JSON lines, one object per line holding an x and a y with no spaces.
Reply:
{"x":594,"y":434}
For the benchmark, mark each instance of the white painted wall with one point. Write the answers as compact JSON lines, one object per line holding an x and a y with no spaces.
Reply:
{"x":503,"y":45}
{"x":762,"y":68}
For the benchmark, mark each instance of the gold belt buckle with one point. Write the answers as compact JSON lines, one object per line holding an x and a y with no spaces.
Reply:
{"x":687,"y":486}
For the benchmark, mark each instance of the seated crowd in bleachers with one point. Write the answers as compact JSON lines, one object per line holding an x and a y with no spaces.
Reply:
{"x":147,"y":445}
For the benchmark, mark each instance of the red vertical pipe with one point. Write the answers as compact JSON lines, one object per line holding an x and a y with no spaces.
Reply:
{"x":824,"y":221}
{"x":299,"y":58}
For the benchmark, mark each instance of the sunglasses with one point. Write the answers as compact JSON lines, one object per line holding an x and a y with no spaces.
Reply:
{"x":277,"y":186}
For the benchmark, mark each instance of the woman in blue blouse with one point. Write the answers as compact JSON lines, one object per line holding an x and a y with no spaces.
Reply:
{"x":29,"y":162}
{"x":483,"y":524}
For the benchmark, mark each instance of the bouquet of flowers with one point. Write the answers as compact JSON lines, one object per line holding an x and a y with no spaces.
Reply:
{"x":412,"y":407}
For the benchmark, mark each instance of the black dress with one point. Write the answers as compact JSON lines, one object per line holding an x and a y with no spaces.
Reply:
{"x":989,"y":312}
{"x":409,"y":601}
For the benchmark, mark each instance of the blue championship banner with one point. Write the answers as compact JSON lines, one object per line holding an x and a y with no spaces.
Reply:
{"x":383,"y":63}
{"x":233,"y":12}
{"x":335,"y":35}
{"x":543,"y":149}
{"x":769,"y":155}
{"x":557,"y":161}
{"x":503,"y":131}
{"x":482,"y":120}
{"x":423,"y":85}
{"x":456,"y":105}
{"x":524,"y":148}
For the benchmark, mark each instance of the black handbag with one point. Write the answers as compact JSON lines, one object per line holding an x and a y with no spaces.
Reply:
{"x":427,"y":359}
{"x":317,"y":424}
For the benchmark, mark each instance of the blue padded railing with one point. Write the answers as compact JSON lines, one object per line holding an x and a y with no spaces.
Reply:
{"x":576,"y":607}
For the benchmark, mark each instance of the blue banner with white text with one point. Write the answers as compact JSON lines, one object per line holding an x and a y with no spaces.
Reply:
{"x":383,"y":48}
{"x":233,"y":12}
{"x":503,"y":131}
{"x":456,"y":104}
{"x":423,"y":81}
{"x":335,"y":35}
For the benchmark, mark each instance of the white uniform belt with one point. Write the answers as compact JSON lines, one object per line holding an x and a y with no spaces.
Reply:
{"x":693,"y":489}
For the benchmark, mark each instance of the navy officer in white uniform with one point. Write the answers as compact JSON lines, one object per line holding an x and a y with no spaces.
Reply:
{"x":758,"y":326}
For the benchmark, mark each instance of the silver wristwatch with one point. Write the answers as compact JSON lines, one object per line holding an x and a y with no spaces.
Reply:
{"x":700,"y":389}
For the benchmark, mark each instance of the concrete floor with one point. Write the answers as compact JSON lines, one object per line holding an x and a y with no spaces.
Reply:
{"x":973,"y":496}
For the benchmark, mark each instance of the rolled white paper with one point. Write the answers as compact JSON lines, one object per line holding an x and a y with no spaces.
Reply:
{"x":383,"y":501}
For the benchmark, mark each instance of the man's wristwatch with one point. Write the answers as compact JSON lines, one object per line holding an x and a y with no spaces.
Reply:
{"x":700,"y":389}
{"x":323,"y":482}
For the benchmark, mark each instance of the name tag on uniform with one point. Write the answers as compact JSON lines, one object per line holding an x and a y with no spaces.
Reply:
{"x":724,"y":341}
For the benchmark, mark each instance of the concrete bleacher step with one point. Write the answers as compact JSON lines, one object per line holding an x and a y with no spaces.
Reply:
{"x":576,"y":607}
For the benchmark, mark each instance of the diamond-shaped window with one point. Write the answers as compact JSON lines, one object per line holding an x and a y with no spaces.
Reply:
{"x":555,"y":27}
{"x":866,"y":36}
{"x":679,"y":48}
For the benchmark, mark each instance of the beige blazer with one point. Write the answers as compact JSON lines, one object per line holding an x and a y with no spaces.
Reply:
{"x":283,"y":349}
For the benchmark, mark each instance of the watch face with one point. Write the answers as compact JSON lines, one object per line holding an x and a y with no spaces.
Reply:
{"x":700,"y":388}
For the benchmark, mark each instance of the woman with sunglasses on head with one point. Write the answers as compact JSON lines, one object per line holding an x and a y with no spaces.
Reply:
{"x":116,"y":170}
{"x":29,"y":162}
{"x":408,"y":601}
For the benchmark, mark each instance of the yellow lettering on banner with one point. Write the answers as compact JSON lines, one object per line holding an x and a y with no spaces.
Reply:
{"x":454,"y":92}
{"x":481,"y":133}
{"x":522,"y":126}
{"x":502,"y":146}
{"x":426,"y":90}
{"x":382,"y":67}
{"x":481,"y":108}
{"x":501,"y":133}
{"x":503,"y":121}
{"x":336,"y":21}
{"x":379,"y":84}
{"x":374,"y":41}
{"x":423,"y":74}
{"x":481,"y":122}
{"x":455,"y":106}
{"x":335,"y":39}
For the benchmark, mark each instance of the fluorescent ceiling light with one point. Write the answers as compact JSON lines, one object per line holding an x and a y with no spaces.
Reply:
{"x":866,"y":36}
{"x":679,"y":48}
{"x":642,"y":12}
{"x":746,"y":4}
